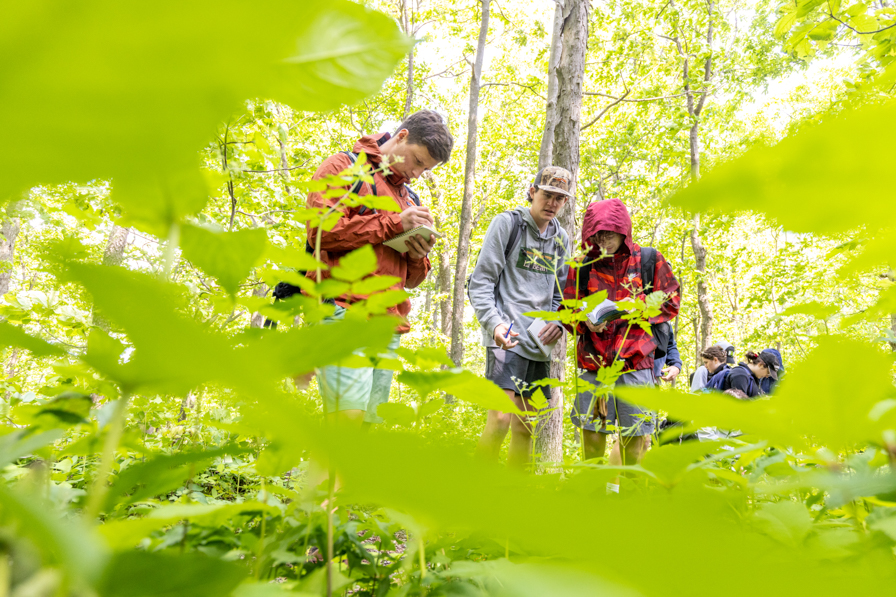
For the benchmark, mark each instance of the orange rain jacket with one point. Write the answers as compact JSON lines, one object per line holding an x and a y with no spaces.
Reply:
{"x":354,"y":230}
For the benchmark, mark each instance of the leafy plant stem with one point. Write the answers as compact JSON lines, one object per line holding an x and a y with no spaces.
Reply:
{"x":113,"y":437}
{"x":422,"y":551}
{"x":171,"y":250}
{"x":259,"y":557}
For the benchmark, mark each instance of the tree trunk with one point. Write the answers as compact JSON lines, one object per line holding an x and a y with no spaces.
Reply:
{"x":546,"y":152}
{"x":466,"y":212}
{"x":570,"y":73}
{"x":9,"y":232}
{"x":257,"y":318}
{"x":113,"y":256}
{"x":443,"y":281}
{"x":694,"y":110}
{"x":406,"y":17}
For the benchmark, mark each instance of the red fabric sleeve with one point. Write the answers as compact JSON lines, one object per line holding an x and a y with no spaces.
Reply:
{"x":417,"y":271}
{"x":352,"y":230}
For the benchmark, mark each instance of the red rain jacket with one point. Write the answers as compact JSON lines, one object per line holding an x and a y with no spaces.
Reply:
{"x":354,"y":230}
{"x":620,"y":276}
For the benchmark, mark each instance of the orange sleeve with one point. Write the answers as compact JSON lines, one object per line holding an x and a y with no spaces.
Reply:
{"x":417,"y":271}
{"x":352,"y":230}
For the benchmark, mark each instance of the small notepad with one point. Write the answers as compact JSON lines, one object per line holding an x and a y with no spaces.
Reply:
{"x":397,"y":242}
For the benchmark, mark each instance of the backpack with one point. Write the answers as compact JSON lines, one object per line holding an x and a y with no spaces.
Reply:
{"x":661,"y":332}
{"x":284,"y":290}
{"x":515,"y":232}
{"x":717,"y":381}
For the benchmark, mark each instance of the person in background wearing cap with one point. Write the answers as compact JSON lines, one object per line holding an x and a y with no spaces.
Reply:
{"x":768,"y":384}
{"x":701,"y":376}
{"x":748,"y":374}
{"x":520,"y":268}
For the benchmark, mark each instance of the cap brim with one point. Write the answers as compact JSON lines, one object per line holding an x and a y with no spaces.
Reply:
{"x":773,"y":374}
{"x":554,"y":190}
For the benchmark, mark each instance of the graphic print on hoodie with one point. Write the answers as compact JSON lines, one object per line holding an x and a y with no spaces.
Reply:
{"x":500,"y":292}
{"x":620,"y":276}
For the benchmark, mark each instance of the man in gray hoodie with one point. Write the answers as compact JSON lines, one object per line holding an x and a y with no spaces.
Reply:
{"x":521,"y":268}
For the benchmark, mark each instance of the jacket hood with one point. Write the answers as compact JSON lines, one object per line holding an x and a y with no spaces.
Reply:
{"x":371,"y":145}
{"x":609,"y":214}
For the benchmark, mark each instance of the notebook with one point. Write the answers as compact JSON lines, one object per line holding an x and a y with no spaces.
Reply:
{"x":604,"y":312}
{"x":397,"y":242}
{"x":536,"y":326}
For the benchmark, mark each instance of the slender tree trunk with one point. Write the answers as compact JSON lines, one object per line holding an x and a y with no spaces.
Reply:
{"x":9,"y":232}
{"x":257,"y":318}
{"x":113,"y":256}
{"x":695,"y":107}
{"x":443,"y":281}
{"x":546,"y":152}
{"x":406,"y":17}
{"x":466,"y":212}
{"x":565,"y":153}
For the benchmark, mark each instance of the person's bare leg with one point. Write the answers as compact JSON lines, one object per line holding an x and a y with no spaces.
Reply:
{"x":520,"y":434}
{"x":595,"y":443}
{"x":497,"y":424}
{"x":634,"y":450}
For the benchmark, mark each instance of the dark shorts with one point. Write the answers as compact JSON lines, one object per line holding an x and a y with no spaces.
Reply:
{"x":632,"y":421}
{"x":510,"y":371}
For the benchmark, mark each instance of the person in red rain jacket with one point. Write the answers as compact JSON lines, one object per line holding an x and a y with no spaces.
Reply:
{"x":616,"y":268}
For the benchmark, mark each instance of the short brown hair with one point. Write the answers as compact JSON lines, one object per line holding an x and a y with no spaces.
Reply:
{"x":429,"y":129}
{"x":715,"y":352}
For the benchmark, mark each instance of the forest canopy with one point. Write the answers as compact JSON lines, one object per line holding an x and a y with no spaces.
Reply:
{"x":165,"y":420}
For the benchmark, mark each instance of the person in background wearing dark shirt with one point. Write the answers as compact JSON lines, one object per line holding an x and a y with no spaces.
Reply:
{"x":747,"y":375}
{"x":768,"y":384}
{"x":669,"y":367}
{"x":715,"y":361}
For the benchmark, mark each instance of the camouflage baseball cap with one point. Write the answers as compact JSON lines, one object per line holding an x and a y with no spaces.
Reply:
{"x":554,"y":179}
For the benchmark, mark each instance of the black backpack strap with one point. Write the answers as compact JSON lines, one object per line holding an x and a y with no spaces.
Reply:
{"x":648,"y":265}
{"x":353,"y":157}
{"x":515,"y":232}
{"x":414,"y":196}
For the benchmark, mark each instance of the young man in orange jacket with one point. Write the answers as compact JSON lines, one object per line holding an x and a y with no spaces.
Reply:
{"x":421,"y":143}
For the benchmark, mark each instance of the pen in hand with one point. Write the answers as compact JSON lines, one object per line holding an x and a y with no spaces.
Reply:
{"x":507,"y":335}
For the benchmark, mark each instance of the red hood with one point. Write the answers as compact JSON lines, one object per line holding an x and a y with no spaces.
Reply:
{"x":610,"y":214}
{"x":370,"y":145}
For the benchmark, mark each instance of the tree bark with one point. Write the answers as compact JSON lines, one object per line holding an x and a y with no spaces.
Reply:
{"x":694,"y":110}
{"x":443,"y":280}
{"x":113,"y":256}
{"x":257,"y":318}
{"x":466,"y":212}
{"x":546,"y":153}
{"x":406,"y":17}
{"x":9,"y":232}
{"x":570,"y":73}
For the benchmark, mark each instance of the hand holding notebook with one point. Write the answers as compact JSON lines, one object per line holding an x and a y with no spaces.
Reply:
{"x":398,"y":242}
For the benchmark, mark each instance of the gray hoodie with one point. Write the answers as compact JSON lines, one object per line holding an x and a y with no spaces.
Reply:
{"x":501,"y":292}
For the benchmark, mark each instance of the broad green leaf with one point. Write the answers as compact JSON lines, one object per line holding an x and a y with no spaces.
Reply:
{"x":64,"y":543}
{"x":296,"y":259}
{"x":374,"y":284}
{"x":788,"y":522}
{"x":101,"y":89}
{"x":23,"y":442}
{"x":227,"y":256}
{"x":804,"y":181}
{"x":11,"y":335}
{"x":356,"y":265}
{"x":463,"y":384}
{"x":814,"y":309}
{"x":670,"y":463}
{"x":148,"y":574}
{"x":397,"y":413}
{"x":808,"y":406}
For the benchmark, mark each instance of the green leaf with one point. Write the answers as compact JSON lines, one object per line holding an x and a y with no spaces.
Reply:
{"x":100,"y":89}
{"x":806,"y":410}
{"x":854,"y":145}
{"x":149,"y":574}
{"x":11,"y":335}
{"x":293,"y":258}
{"x":788,"y":522}
{"x":374,"y":284}
{"x":397,"y":413}
{"x":357,"y":264}
{"x":814,"y":309}
{"x":227,"y":256}
{"x":463,"y":384}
